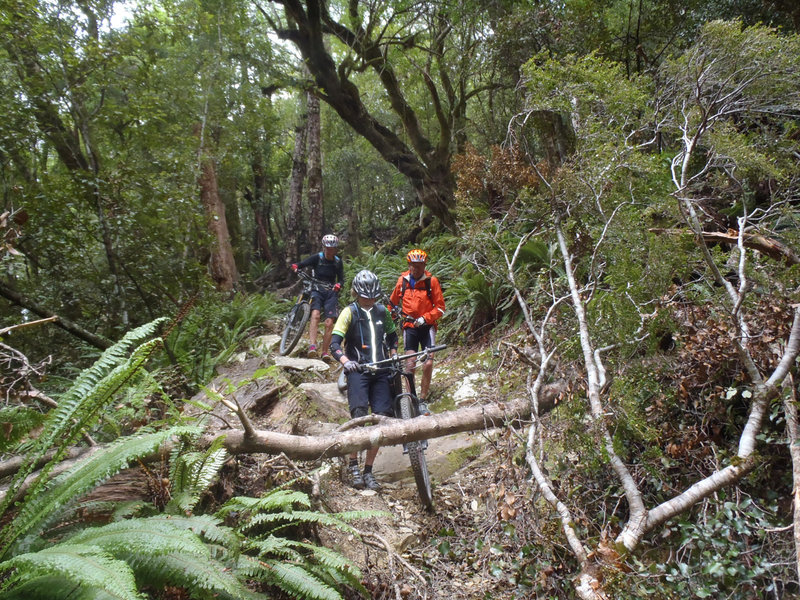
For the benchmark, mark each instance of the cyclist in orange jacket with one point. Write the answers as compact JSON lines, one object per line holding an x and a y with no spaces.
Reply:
{"x":419,"y":295}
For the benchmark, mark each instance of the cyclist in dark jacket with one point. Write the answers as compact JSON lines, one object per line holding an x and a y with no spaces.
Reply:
{"x":325,"y":266}
{"x":369,"y":335}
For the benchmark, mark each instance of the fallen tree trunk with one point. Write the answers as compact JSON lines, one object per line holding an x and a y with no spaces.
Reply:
{"x":386,"y":432}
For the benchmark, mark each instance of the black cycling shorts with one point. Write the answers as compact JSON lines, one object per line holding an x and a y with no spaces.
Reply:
{"x":365,"y":390}
{"x":327,"y":302}
{"x":419,"y":338}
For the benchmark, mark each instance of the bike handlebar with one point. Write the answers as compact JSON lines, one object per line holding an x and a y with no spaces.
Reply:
{"x":398,"y":358}
{"x":318,"y":282}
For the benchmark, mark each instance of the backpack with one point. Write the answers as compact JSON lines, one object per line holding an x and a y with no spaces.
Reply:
{"x":336,"y":258}
{"x":405,"y":285}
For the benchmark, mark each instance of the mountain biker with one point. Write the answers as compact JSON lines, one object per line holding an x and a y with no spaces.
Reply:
{"x":419,"y":295}
{"x":369,"y":335}
{"x":325,"y":266}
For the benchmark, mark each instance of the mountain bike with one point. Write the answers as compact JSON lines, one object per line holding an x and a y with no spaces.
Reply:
{"x":406,"y":407}
{"x":295,"y":321}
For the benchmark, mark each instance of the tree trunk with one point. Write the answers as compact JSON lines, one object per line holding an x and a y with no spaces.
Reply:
{"x":353,"y":244}
{"x":555,"y":135}
{"x":316,"y":215}
{"x":222,"y":266}
{"x":256,"y":199}
{"x":424,"y":163}
{"x":793,"y":433}
{"x":294,"y":216}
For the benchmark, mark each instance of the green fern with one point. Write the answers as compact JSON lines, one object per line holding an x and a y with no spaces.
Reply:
{"x":299,"y":517}
{"x":142,"y":537}
{"x":40,"y":510}
{"x":202,"y":577}
{"x":207,"y":527}
{"x":298,"y":568}
{"x":16,"y":422}
{"x":292,"y":579}
{"x":59,"y":571}
{"x":81,"y":405}
{"x":277,"y":499}
{"x":192,"y":473}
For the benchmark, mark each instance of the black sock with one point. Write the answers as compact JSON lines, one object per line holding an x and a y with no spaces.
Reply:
{"x":353,"y":462}
{"x":367,"y":469}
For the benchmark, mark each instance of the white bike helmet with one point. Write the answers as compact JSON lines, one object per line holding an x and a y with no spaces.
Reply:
{"x":330,"y":241}
{"x":366,"y":284}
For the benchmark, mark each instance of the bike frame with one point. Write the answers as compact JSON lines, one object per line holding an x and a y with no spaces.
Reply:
{"x":299,"y":314}
{"x":406,"y":406}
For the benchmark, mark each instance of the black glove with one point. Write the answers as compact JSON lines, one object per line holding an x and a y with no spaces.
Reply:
{"x":351,"y":366}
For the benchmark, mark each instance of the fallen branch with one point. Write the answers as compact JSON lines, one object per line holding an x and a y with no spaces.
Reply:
{"x":768,"y":246}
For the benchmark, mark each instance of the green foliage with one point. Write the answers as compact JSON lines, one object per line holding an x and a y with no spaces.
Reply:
{"x":16,"y":422}
{"x":79,"y":408}
{"x":298,"y":568}
{"x":39,"y":511}
{"x":215,"y":329}
{"x":728,"y":551}
{"x":191,"y":473}
{"x":200,"y":554}
{"x":478,"y":302}
{"x":44,"y":574}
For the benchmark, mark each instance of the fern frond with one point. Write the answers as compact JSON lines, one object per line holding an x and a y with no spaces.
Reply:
{"x":76,"y":566}
{"x":298,"y":517}
{"x":16,"y":422}
{"x":194,"y":573}
{"x":193,"y":473}
{"x":145,"y":537}
{"x":329,"y":565}
{"x":208,"y":527}
{"x":271,"y":545}
{"x":292,"y":579}
{"x":333,"y":561}
{"x":277,"y":499}
{"x":41,"y":510}
{"x":79,"y":407}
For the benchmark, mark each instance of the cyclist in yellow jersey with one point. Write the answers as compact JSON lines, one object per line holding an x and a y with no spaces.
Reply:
{"x":368,"y":333}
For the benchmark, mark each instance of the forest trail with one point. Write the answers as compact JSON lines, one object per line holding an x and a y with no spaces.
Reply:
{"x":302,"y":398}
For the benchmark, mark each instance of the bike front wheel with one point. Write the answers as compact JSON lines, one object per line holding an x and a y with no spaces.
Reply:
{"x":295,"y":325}
{"x":416,"y":453}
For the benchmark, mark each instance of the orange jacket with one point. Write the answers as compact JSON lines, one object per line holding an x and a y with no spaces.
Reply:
{"x":415,"y":300}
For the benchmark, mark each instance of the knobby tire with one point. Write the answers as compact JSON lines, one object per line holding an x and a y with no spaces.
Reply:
{"x":416,"y":452}
{"x":295,"y":325}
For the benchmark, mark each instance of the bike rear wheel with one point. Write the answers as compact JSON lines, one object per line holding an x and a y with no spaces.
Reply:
{"x":416,"y":452}
{"x":295,"y":325}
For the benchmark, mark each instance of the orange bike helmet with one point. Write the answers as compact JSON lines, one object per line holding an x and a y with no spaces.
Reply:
{"x":417,"y":256}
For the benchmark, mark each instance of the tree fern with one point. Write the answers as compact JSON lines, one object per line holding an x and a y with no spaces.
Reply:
{"x":40,"y":510}
{"x":80,"y":406}
{"x":58,"y":571}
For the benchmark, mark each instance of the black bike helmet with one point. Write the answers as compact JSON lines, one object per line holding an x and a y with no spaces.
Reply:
{"x":366,"y":284}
